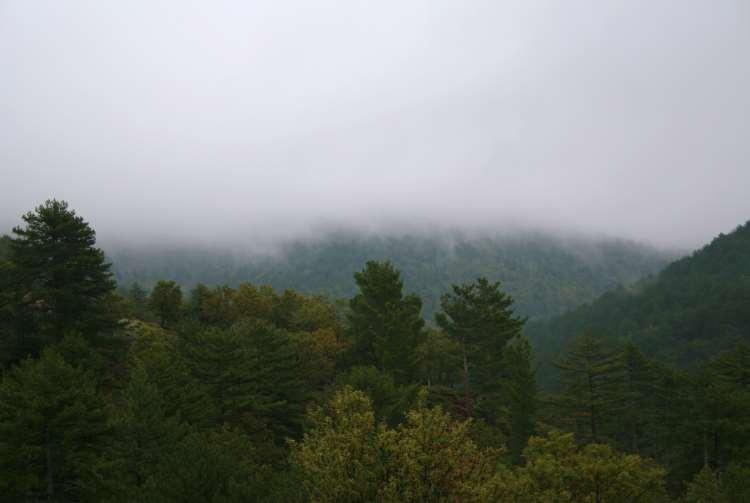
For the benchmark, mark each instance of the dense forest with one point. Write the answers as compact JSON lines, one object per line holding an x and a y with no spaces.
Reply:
{"x":545,"y":274}
{"x":244,"y":392}
{"x":696,"y":307}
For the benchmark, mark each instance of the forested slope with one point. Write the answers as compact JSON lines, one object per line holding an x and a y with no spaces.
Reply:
{"x":250,"y":394}
{"x":696,"y":307}
{"x":546,"y":275}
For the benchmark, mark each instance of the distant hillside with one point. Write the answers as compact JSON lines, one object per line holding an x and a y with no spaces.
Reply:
{"x":546,"y":275}
{"x":697,"y":306}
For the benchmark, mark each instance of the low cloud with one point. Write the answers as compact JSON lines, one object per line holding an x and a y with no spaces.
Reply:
{"x":228,"y":122}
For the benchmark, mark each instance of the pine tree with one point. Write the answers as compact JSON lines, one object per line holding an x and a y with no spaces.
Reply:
{"x":220,"y":466}
{"x":166,"y":302}
{"x":138,"y":299}
{"x":385,"y":325}
{"x":56,"y":282}
{"x":641,"y":398}
{"x":254,"y":375}
{"x":591,"y":377}
{"x":53,"y":431}
{"x":520,"y":392}
{"x":144,"y":432}
{"x":480,"y":318}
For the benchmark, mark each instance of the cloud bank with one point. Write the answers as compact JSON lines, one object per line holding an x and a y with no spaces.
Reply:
{"x":222,"y":121}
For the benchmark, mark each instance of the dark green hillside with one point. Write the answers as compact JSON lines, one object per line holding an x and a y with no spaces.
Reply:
{"x":696,"y":307}
{"x":546,"y":275}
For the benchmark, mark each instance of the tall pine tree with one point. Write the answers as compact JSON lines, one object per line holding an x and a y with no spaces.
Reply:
{"x":591,"y":377}
{"x":385,"y":325}
{"x":56,"y":282}
{"x":480,"y":318}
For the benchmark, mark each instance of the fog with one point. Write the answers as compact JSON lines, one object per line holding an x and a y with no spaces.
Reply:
{"x":241,"y":121}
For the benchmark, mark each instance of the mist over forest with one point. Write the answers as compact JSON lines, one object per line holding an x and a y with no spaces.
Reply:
{"x":323,"y":251}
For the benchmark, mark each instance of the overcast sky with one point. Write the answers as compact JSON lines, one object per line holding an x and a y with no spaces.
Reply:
{"x":269,"y":118}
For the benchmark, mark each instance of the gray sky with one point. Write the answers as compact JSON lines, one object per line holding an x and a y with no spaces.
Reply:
{"x":269,"y":118}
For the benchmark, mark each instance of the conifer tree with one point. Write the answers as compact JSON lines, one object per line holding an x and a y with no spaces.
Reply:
{"x":520,"y":395}
{"x":53,"y":431}
{"x":253,"y":373}
{"x":144,"y":432}
{"x":166,"y":302}
{"x":385,"y":325}
{"x":641,"y":399}
{"x":480,"y":318}
{"x":219,"y":466}
{"x":55,"y":281}
{"x":591,"y":377}
{"x":137,"y":296}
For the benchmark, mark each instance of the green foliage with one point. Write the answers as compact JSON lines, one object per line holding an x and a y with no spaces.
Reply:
{"x":557,"y":471}
{"x":706,"y":487}
{"x":433,"y":458}
{"x":347,"y":457}
{"x":339,"y":456}
{"x":54,"y":281}
{"x":718,"y":407}
{"x":166,"y":302}
{"x":591,"y":394}
{"x":208,"y":405}
{"x":438,"y":358}
{"x":320,"y":351}
{"x":144,"y":433}
{"x":385,"y":326}
{"x":641,"y":395}
{"x":479,"y":317}
{"x":253,"y":373}
{"x":137,"y":299}
{"x":694,"y":309}
{"x":390,"y":402}
{"x":735,"y":479}
{"x":215,"y":466}
{"x":53,"y":430}
{"x":520,"y":395}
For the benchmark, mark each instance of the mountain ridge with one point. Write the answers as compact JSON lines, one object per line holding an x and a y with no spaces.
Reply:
{"x":546,"y":274}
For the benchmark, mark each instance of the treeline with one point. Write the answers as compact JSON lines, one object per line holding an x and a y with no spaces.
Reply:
{"x":250,"y":394}
{"x":546,"y":275}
